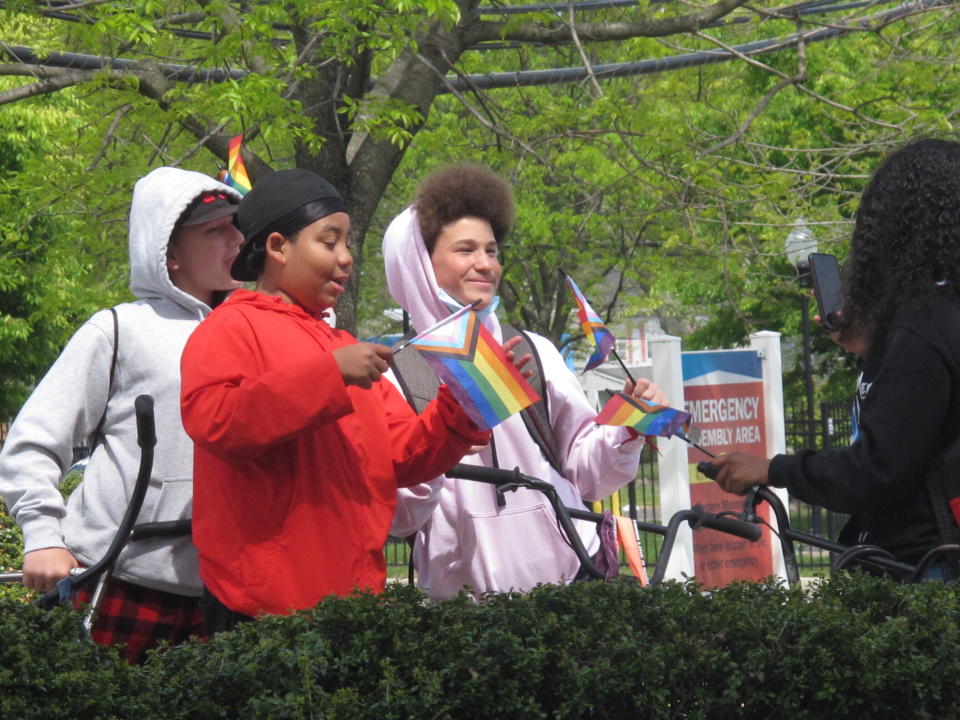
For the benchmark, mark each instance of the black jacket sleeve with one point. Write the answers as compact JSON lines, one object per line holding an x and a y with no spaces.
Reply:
{"x":902,"y":423}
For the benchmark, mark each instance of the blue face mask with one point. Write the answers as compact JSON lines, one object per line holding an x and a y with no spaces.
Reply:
{"x":453,"y":304}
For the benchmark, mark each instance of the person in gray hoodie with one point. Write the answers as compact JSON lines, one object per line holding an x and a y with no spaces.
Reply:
{"x":182,"y":244}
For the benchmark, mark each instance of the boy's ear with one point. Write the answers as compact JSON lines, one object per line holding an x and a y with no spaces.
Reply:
{"x":172,"y":262}
{"x":276,"y":246}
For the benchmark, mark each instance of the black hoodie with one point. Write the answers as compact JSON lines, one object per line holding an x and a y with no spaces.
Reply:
{"x":908,"y":418}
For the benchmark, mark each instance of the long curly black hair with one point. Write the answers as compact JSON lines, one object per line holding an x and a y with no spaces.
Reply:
{"x":906,"y":239}
{"x":463,"y":190}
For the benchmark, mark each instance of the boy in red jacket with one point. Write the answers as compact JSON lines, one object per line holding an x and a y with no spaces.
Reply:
{"x":300,"y":446}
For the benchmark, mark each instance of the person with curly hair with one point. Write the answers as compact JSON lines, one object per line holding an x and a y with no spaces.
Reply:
{"x":902,"y":311}
{"x":442,"y":253}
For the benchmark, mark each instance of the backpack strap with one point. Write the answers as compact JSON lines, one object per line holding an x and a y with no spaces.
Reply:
{"x":98,"y":433}
{"x":537,"y":416}
{"x":418,"y":382}
{"x":419,"y":385}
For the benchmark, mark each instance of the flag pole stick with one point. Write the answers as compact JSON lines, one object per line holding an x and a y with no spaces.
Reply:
{"x":613,"y":351}
{"x":444,"y":321}
{"x":696,"y":445}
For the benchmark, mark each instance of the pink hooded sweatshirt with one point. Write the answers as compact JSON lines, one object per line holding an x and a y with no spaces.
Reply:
{"x":464,"y":539}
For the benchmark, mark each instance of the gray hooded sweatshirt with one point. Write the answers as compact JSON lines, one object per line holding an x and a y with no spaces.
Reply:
{"x":67,"y":405}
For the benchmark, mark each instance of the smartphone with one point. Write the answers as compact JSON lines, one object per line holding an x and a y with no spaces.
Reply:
{"x":826,"y":281}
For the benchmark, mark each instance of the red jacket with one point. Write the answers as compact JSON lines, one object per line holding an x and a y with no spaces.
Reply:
{"x":295,"y":474}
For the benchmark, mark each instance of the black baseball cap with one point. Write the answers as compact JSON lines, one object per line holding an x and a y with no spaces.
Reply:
{"x":272,"y":198}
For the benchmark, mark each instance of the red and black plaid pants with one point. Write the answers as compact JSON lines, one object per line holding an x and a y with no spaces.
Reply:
{"x":141,"y":618}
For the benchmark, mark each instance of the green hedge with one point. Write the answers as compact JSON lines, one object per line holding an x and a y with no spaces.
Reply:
{"x":856,"y":647}
{"x":49,"y":669}
{"x":11,"y":542}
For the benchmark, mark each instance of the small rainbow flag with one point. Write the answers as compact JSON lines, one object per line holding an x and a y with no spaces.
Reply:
{"x":593,"y":327}
{"x":236,"y":173}
{"x":465,"y":356}
{"x":644,"y":417}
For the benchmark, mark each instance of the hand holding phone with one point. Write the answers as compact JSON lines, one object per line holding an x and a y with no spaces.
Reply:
{"x":826,"y":282}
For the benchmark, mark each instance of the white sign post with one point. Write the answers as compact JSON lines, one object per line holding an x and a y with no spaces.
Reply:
{"x":674,"y":481}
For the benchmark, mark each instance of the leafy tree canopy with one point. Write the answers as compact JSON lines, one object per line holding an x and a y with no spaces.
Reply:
{"x":666,"y":194}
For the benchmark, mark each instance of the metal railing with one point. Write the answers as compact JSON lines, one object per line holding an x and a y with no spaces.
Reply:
{"x":831,"y":429}
{"x":640,"y":499}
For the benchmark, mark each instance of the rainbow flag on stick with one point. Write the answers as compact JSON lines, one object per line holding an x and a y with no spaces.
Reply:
{"x":236,"y":173}
{"x":465,"y":356}
{"x":593,"y":327}
{"x":644,"y":417}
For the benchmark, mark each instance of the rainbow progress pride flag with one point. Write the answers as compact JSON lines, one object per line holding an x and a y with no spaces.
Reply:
{"x":593,"y":327}
{"x":236,"y":173}
{"x":647,"y":419}
{"x":464,"y":355}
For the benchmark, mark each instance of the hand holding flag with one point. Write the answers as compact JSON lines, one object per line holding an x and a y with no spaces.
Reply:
{"x":647,"y":419}
{"x":644,"y":417}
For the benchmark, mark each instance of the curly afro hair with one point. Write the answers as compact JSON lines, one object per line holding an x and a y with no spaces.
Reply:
{"x":463,"y":190}
{"x":906,"y":239}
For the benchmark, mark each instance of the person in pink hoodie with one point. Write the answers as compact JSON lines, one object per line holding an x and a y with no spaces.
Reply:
{"x":440,"y":254}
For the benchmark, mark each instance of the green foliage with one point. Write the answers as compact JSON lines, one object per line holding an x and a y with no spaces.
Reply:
{"x":383,"y":118}
{"x":857,"y":646}
{"x":632,"y":192}
{"x":49,"y":669}
{"x":57,"y":251}
{"x":42,"y":293}
{"x":588,"y":650}
{"x":667,"y":195}
{"x":11,"y":542}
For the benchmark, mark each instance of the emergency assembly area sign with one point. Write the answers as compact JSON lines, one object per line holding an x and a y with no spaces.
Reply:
{"x":724,"y":396}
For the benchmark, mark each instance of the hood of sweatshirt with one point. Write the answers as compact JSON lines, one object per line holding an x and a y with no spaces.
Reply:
{"x":411,"y":279}
{"x":274,"y":303}
{"x":159,"y":198}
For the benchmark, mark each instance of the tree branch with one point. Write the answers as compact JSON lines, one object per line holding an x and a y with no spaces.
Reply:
{"x":554,"y":33}
{"x":53,"y":81}
{"x":153,"y":85}
{"x":409,"y":80}
{"x":203,"y":142}
{"x":798,"y":84}
{"x":754,"y":114}
{"x":231,"y":21}
{"x":77,"y":6}
{"x":492,"y":127}
{"x":597,"y":92}
{"x":108,"y":137}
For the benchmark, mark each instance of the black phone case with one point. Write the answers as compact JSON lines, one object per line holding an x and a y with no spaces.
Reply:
{"x":829,"y":297}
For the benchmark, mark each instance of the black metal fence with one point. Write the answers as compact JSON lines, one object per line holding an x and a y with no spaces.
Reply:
{"x":830,"y":429}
